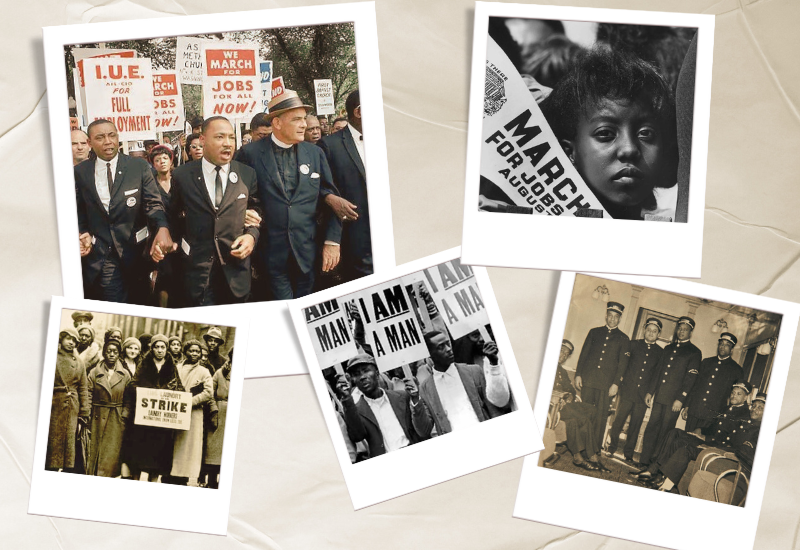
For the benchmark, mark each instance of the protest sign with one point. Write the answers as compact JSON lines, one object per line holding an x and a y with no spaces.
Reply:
{"x":79,"y":54}
{"x":323,"y":90}
{"x":391,"y":328}
{"x":455,"y":291}
{"x":121,"y":90}
{"x":189,"y":61}
{"x":330,"y":333}
{"x":277,"y":86}
{"x":520,"y":154}
{"x":168,"y":101}
{"x":231,"y":80}
{"x":163,"y":408}
{"x":266,"y":84}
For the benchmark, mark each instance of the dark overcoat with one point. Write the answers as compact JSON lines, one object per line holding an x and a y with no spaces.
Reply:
{"x":110,"y":413}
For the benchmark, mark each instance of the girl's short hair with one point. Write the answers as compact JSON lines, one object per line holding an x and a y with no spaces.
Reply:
{"x":604,"y":74}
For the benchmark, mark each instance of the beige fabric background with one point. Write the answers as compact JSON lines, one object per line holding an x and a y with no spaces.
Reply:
{"x":288,"y":491}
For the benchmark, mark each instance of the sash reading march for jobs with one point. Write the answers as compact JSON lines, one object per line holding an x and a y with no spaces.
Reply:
{"x":520,"y":154}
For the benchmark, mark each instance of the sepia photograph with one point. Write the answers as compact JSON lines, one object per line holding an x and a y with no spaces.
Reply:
{"x":135,"y":398}
{"x":663,"y":390}
{"x":592,"y":117}
{"x":401,"y":364}
{"x":223,"y":163}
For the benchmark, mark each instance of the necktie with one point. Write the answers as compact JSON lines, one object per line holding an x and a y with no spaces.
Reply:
{"x":217,"y":188}
{"x":110,"y":177}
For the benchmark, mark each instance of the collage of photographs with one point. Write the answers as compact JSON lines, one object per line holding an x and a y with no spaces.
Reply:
{"x":227,"y":186}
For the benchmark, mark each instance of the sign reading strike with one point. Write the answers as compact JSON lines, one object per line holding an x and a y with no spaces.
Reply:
{"x":520,"y":154}
{"x":121,"y":90}
{"x":168,"y":101}
{"x":163,"y":408}
{"x":330,"y":333}
{"x":323,"y":89}
{"x":189,"y":59}
{"x":390,"y":325}
{"x":266,"y":84}
{"x":232,"y":80}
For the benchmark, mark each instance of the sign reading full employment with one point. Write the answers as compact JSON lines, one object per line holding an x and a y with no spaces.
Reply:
{"x":163,"y":408}
{"x":232,"y":80}
{"x":391,"y":327}
{"x":121,"y":90}
{"x":330,"y":333}
{"x":455,"y":291}
{"x":519,"y":153}
{"x":189,"y":59}
{"x":168,"y":101}
{"x":80,"y":82}
{"x":323,"y":90}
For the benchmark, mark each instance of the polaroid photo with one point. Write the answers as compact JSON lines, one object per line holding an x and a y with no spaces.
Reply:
{"x":139,"y":408}
{"x":587,"y":122}
{"x":414,"y":372}
{"x":659,"y":404}
{"x":289,"y":89}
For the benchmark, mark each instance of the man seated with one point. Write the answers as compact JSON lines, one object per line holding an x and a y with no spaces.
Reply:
{"x":579,"y":417}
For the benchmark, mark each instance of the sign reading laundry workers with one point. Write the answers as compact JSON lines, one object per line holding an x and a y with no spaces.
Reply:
{"x":520,"y":154}
{"x":231,"y":81}
{"x":163,"y":408}
{"x":330,"y":333}
{"x":391,"y":327}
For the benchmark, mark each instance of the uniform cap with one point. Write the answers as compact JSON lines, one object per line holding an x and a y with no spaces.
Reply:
{"x":654,"y":321}
{"x":761,"y":397}
{"x":746,"y":386}
{"x":729,"y":337}
{"x":615,"y":306}
{"x":568,"y":344}
{"x":688,"y":320}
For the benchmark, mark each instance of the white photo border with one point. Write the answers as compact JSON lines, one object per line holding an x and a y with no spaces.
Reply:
{"x":267,"y":317}
{"x":485,"y":234}
{"x":632,"y":513}
{"x":442,"y":458}
{"x":85,"y":497}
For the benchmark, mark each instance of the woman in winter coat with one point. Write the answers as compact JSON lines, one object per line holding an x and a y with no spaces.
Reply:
{"x":188,"y":454}
{"x":216,"y":434}
{"x":88,"y":350}
{"x":131,"y":355}
{"x":149,"y":448}
{"x":70,"y":403}
{"x":107,"y":383}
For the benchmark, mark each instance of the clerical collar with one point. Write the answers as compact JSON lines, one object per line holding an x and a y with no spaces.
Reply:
{"x":279,"y":143}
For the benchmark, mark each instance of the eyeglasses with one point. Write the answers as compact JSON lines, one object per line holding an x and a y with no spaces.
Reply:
{"x":196,"y":147}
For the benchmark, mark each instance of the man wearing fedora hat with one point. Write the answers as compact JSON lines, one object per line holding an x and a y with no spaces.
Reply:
{"x":214,"y":340}
{"x":292,"y":178}
{"x":645,"y":354}
{"x":601,"y":365}
{"x":669,"y":389}
{"x":712,"y":387}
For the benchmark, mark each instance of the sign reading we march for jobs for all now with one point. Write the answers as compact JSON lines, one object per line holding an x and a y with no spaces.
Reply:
{"x":163,"y":408}
{"x":232,"y":80}
{"x":330,"y":333}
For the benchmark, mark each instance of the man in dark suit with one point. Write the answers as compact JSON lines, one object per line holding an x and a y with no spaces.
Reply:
{"x":456,"y":393}
{"x":212,"y":196}
{"x":644,"y":357}
{"x":601,"y":365}
{"x":673,"y":380}
{"x":345,"y":153}
{"x":712,"y":387}
{"x":292,"y":177}
{"x":116,"y":197}
{"x":388,"y":420}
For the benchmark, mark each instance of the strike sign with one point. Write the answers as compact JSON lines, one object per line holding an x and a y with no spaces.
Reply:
{"x":232,"y":80}
{"x":168,"y":101}
{"x":163,"y":408}
{"x":330,"y":333}
{"x":323,"y":89}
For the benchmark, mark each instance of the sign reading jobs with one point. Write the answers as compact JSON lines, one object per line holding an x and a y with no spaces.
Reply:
{"x":330,"y":333}
{"x":168,"y":101}
{"x":163,"y":408}
{"x":232,"y":80}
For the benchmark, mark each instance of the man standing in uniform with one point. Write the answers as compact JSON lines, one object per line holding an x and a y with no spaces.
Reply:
{"x":713,"y":385}
{"x":116,"y":197}
{"x":671,"y":384}
{"x":645,"y":355}
{"x":601,"y":365}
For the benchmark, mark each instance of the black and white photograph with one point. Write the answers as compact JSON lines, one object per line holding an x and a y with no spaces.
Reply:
{"x":410,"y":367}
{"x":669,"y":393}
{"x":587,"y":114}
{"x":222,"y":163}
{"x":132,"y":403}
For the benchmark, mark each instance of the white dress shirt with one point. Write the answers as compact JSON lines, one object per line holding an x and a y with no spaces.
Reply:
{"x":393,"y":435}
{"x":101,"y":179}
{"x":210,"y":178}
{"x":454,"y":398}
{"x":357,"y":137}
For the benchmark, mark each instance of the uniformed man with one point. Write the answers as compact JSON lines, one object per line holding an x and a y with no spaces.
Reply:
{"x":645,"y":354}
{"x":603,"y":360}
{"x":563,"y":382}
{"x":712,"y":387}
{"x":674,"y":378}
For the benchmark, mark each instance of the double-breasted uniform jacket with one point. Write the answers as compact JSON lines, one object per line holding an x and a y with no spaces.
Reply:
{"x":210,"y":232}
{"x":604,"y":358}
{"x":641,"y":368}
{"x":349,"y":176}
{"x":713,"y":386}
{"x":676,"y":373}
{"x":289,"y":221}
{"x":110,"y":412}
{"x":135,"y":201}
{"x":738,"y":432}
{"x":475,"y":386}
{"x":361,"y":422}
